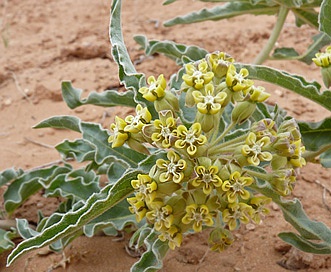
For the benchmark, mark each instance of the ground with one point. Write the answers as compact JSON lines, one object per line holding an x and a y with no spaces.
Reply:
{"x":47,"y":41}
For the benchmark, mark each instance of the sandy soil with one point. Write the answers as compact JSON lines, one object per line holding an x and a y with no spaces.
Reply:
{"x":46,"y":41}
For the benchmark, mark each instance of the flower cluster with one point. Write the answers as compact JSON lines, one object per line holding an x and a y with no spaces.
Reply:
{"x":212,"y":168}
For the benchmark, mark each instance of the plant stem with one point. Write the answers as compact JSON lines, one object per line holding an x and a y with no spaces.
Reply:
{"x":264,"y":54}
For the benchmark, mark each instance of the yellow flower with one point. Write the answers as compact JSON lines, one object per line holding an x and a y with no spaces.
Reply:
{"x":136,"y":123}
{"x":160,"y":215}
{"x":237,"y":81}
{"x":119,"y":135}
{"x":138,"y":207}
{"x":172,"y":170}
{"x":235,"y":212}
{"x":219,"y":62}
{"x":258,"y":94}
{"x":190,"y":139}
{"x":209,"y":103}
{"x":197,"y":75}
{"x":156,"y":88}
{"x":283,"y":181}
{"x":198,"y":216}
{"x":235,"y":187}
{"x":323,"y":59}
{"x":145,"y":188}
{"x":173,"y":236}
{"x":255,"y":150}
{"x":207,"y":178}
{"x":220,"y":239}
{"x":258,"y":204}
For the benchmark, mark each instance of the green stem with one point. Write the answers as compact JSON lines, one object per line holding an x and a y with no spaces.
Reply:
{"x":310,"y":156}
{"x":256,"y":174}
{"x":225,"y":131}
{"x":264,"y":54}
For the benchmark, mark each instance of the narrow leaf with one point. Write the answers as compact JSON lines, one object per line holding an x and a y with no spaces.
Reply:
{"x":225,"y":11}
{"x":80,"y":149}
{"x":171,"y":49}
{"x":62,"y":122}
{"x":325,"y":159}
{"x":305,"y":245}
{"x":324,"y":17}
{"x":108,"y":98}
{"x":72,"y":221}
{"x":284,"y":53}
{"x":6,"y":240}
{"x":8,"y":175}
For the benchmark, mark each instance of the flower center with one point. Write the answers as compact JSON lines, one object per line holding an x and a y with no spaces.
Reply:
{"x":197,"y":74}
{"x":209,"y":99}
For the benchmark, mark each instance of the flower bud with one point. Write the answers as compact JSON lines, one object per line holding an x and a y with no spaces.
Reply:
{"x":242,"y":111}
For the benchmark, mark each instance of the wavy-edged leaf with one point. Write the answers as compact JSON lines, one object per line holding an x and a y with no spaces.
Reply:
{"x":324,"y":17}
{"x":6,"y":242}
{"x":225,"y":11}
{"x":151,"y":260}
{"x":170,"y":49}
{"x":61,"y":122}
{"x":108,"y":98}
{"x":305,"y":245}
{"x":28,"y":184}
{"x":117,"y":217}
{"x":80,"y":149}
{"x":77,"y":184}
{"x":316,"y":134}
{"x":73,"y":221}
{"x":295,"y":83}
{"x":9,"y":174}
{"x":127,"y":72}
{"x":284,"y":53}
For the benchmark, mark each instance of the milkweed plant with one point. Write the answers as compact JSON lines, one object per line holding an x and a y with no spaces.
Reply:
{"x":202,"y":150}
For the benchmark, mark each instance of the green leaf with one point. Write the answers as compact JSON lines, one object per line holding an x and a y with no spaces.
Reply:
{"x":8,"y":175}
{"x":151,"y":260}
{"x":171,"y":49}
{"x":305,"y":245}
{"x":306,"y":16}
{"x":61,"y":122}
{"x":28,"y":184}
{"x":117,"y":217}
{"x":127,"y":72}
{"x":225,"y":11}
{"x":80,"y":149}
{"x":284,"y":53}
{"x":325,"y":159}
{"x":295,"y":83}
{"x":6,"y":240}
{"x":98,"y":137}
{"x":324,"y":17}
{"x":315,"y":135}
{"x":108,"y":98}
{"x":73,"y":221}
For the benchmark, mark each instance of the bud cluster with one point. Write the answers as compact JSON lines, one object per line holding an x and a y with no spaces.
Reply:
{"x":207,"y":178}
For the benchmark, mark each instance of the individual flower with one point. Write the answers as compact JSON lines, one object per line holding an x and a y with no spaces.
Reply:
{"x":323,"y":60}
{"x":136,"y":123}
{"x":207,"y":178}
{"x":256,"y":150}
{"x":259,"y":203}
{"x":119,"y":135}
{"x":209,"y":103}
{"x":220,"y":239}
{"x":160,"y":215}
{"x":145,"y":188}
{"x":190,"y":139}
{"x":235,"y":187}
{"x":137,"y":207}
{"x":238,"y":81}
{"x":156,"y":88}
{"x":173,"y":235}
{"x":236,"y":212}
{"x":219,"y":63}
{"x":197,"y":75}
{"x":161,"y":131}
{"x":242,"y":111}
{"x":172,"y":170}
{"x":258,"y":94}
{"x":198,"y":215}
{"x":265,"y":127}
{"x":282,"y":180}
